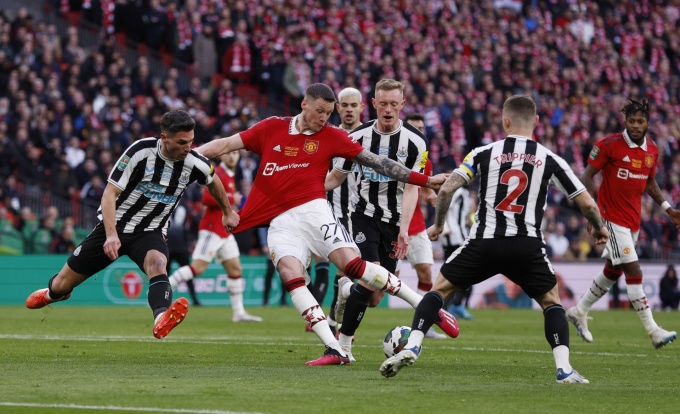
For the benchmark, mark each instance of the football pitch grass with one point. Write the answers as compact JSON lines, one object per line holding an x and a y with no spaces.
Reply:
{"x":73,"y":359}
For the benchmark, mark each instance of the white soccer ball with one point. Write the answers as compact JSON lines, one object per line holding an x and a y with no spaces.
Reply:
{"x":396,"y":340}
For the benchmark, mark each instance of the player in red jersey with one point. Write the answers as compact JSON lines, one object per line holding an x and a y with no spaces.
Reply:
{"x":215,"y":242}
{"x":288,"y":194}
{"x":628,"y":163}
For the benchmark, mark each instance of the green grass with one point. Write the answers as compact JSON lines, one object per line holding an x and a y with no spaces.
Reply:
{"x":106,"y":357}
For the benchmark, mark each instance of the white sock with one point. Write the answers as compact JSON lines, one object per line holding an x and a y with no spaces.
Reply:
{"x":598,"y":288}
{"x":638,"y":299}
{"x":561,"y":355}
{"x":180,"y":275}
{"x":311,"y":312}
{"x":415,"y":339}
{"x":235,"y":288}
{"x":379,"y":278}
{"x":345,"y":340}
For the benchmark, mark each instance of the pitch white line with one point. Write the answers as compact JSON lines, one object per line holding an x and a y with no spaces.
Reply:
{"x":269,"y":341}
{"x":118,"y":408}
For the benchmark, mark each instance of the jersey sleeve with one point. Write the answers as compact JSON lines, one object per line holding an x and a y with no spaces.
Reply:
{"x":599,"y":156}
{"x":466,"y":169}
{"x":121,"y":173}
{"x":343,"y":165}
{"x":252,"y":137}
{"x":351,"y":147}
{"x":565,"y":179}
{"x":207,"y":170}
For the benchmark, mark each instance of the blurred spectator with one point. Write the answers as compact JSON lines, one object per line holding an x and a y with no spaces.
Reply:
{"x":668,"y":289}
{"x":505,"y":295}
{"x":63,"y":242}
{"x":92,"y":191}
{"x":557,"y":241}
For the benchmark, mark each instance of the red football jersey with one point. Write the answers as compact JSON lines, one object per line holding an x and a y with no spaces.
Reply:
{"x":625,"y":170}
{"x":212,"y":217}
{"x":293,"y":166}
{"x":418,"y":221}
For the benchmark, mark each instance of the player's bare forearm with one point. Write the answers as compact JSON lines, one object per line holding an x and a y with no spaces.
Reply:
{"x":221,"y":146}
{"x":654,"y":191}
{"x":589,"y":209}
{"x":333,"y":179}
{"x":453,"y":183}
{"x":587,"y":179}
{"x":383,"y":165}
{"x":216,"y":189}
{"x":109,"y":197}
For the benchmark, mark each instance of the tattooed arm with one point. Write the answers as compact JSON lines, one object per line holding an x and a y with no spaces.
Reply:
{"x":453,"y":183}
{"x":592,"y":214}
{"x":654,"y":191}
{"x":399,"y":172}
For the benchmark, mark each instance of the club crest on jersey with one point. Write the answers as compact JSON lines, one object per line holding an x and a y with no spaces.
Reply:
{"x":594,"y":152}
{"x":311,"y":146}
{"x":184,"y":179}
{"x":360,"y":238}
{"x":123,"y":163}
{"x":649,"y":161}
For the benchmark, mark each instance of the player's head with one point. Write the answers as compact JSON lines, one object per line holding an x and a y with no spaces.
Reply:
{"x":417,"y":120}
{"x":177,"y":134}
{"x":388,"y":102}
{"x":230,"y":159}
{"x":349,"y":107}
{"x":637,"y":119}
{"x":519,"y":114}
{"x":317,"y":106}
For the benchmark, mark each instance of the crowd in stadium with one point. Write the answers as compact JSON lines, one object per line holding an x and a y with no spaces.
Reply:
{"x":67,"y":112}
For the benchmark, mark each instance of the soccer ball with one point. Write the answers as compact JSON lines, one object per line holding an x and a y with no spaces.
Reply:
{"x":396,"y":340}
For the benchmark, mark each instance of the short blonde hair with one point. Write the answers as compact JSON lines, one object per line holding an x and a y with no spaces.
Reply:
{"x":389,"y":85}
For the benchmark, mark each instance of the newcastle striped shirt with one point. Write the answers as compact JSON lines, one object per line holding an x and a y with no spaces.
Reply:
{"x":152,"y":185}
{"x":376,"y":195}
{"x":514,"y":177}
{"x":455,"y":227}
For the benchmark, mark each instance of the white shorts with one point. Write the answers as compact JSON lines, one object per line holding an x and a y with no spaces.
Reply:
{"x":620,"y":247}
{"x":306,"y":229}
{"x":211,"y":246}
{"x":419,"y":250}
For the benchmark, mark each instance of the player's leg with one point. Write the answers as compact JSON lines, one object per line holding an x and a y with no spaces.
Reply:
{"x":659,"y":336}
{"x":207,"y":244}
{"x":236,"y":285}
{"x":88,"y":259}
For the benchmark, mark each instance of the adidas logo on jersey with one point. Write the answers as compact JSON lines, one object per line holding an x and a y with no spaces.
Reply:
{"x":337,"y":240}
{"x":626,"y":159}
{"x":277,"y":148}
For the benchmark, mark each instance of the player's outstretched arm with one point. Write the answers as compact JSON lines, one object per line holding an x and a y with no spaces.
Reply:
{"x":591,"y":212}
{"x":399,"y":172}
{"x":230,"y":218}
{"x":217,"y":147}
{"x":452,"y":183}
{"x":654,"y":191}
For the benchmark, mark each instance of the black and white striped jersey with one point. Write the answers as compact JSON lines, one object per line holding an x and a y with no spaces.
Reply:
{"x":455,"y":225}
{"x":514,"y":177}
{"x":152,"y":185}
{"x":376,"y":195}
{"x":338,"y":198}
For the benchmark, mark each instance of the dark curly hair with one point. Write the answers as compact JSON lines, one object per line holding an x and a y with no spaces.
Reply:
{"x":634,"y":107}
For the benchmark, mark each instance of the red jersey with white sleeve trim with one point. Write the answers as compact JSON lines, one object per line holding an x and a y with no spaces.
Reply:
{"x":625,"y":169}
{"x":293,"y":166}
{"x":212,"y":217}
{"x":418,"y":221}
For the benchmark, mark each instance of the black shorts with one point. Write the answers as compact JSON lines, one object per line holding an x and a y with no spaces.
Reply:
{"x":89,"y":258}
{"x":522,"y":259}
{"x":376,"y":240}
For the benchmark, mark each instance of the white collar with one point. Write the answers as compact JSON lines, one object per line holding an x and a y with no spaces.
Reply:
{"x":375,"y":128}
{"x":230,"y":173}
{"x":292,"y":128}
{"x":630,"y":142}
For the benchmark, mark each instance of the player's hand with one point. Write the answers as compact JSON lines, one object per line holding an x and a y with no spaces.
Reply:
{"x":403,"y":241}
{"x":436,"y":181}
{"x":601,"y":236}
{"x":433,"y":232}
{"x":231,"y":220}
{"x":111,"y":246}
{"x":675,"y":216}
